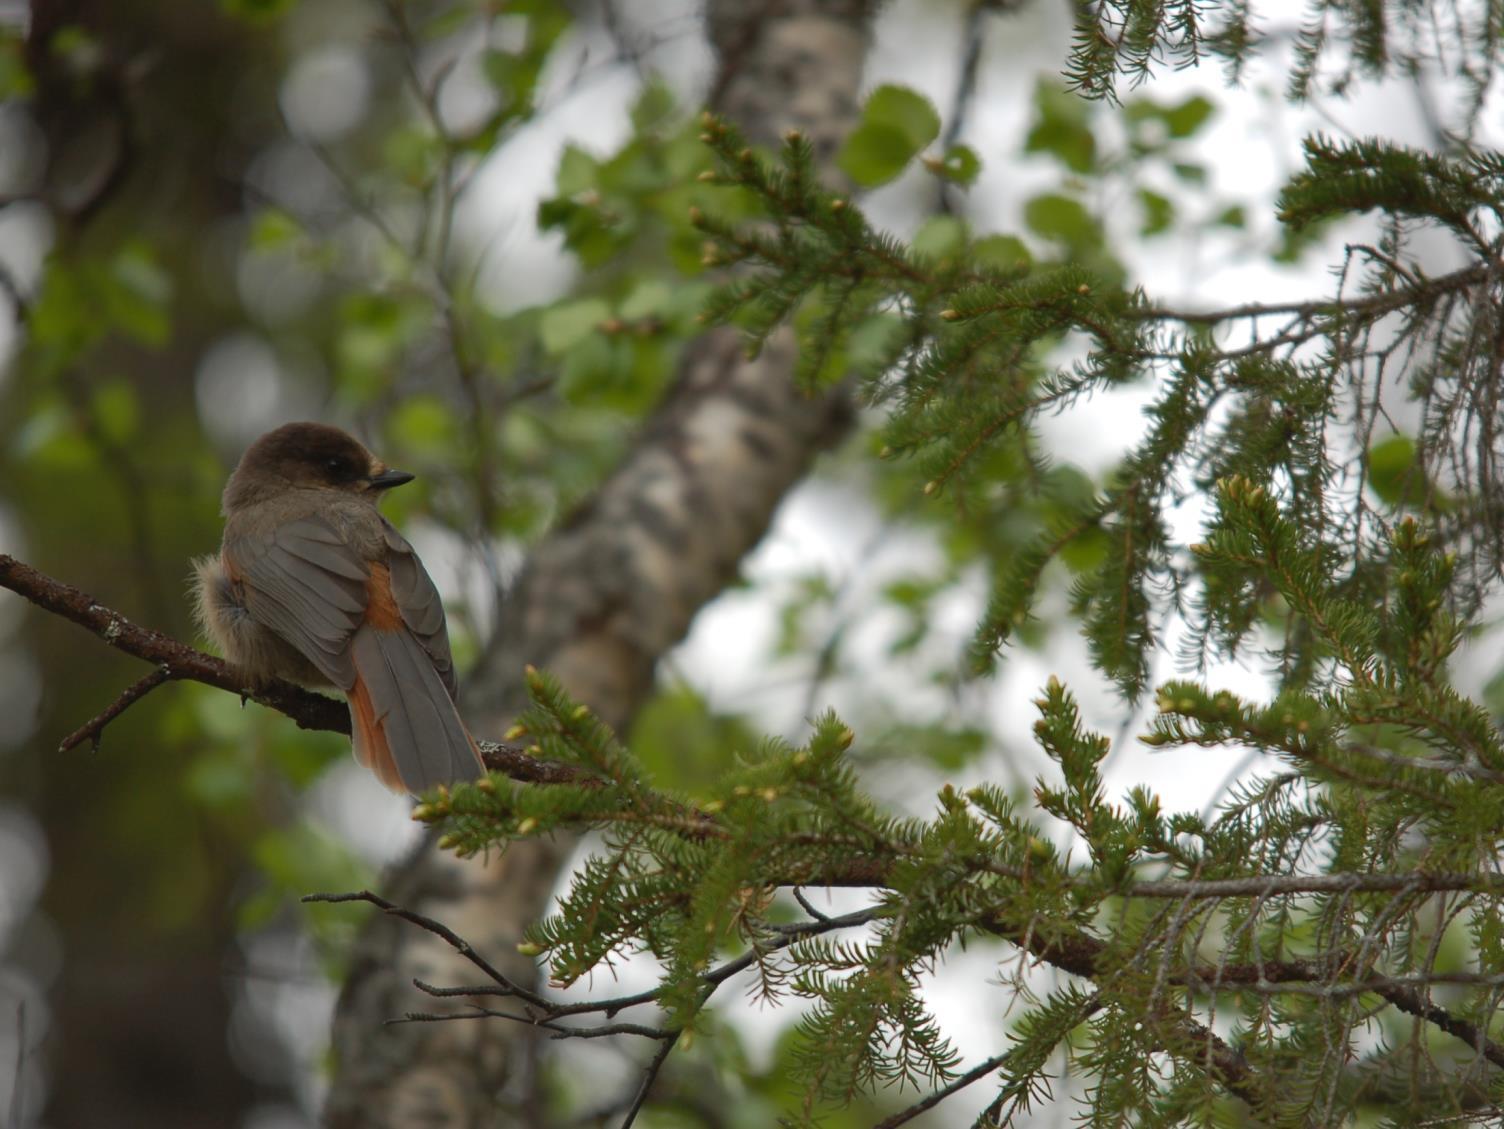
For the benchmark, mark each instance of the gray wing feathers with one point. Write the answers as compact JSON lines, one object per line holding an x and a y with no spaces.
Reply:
{"x":428,"y":742}
{"x":418,"y":600}
{"x":308,"y":587}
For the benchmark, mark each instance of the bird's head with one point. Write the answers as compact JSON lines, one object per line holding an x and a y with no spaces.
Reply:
{"x":308,"y":456}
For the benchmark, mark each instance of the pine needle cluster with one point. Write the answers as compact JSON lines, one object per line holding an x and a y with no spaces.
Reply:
{"x":1295,"y":954}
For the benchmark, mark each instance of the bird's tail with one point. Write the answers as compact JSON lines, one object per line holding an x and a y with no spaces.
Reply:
{"x":405,"y":726}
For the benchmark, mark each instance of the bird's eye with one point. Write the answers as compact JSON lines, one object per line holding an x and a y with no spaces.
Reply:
{"x":338,"y":467}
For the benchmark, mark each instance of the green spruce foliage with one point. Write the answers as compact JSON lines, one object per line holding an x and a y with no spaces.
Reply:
{"x":1322,"y":944}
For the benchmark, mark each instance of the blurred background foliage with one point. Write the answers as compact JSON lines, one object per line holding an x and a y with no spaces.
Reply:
{"x":407,"y":217}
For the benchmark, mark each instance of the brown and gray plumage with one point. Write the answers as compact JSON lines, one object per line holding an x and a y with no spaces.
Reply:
{"x":313,"y":585}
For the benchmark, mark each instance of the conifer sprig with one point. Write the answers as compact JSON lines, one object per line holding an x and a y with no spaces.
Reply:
{"x":965,"y":382}
{"x":1316,"y":882}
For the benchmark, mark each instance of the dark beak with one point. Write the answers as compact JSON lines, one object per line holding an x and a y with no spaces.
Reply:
{"x":389,"y":478}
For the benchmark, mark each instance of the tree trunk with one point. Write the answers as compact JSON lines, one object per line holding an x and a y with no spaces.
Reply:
{"x":599,"y":601}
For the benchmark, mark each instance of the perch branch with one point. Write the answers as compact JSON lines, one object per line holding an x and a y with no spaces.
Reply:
{"x":177,"y":662}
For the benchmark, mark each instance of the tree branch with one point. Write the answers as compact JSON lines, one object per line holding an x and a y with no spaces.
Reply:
{"x":1372,"y":305}
{"x":177,"y":661}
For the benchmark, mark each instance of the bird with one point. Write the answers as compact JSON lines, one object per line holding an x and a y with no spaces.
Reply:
{"x":313,"y":585}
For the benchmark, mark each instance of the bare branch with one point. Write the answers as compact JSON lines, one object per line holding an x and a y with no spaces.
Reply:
{"x":1387,"y":301}
{"x":179,"y":662}
{"x":809,"y":909}
{"x":1265,"y":885}
{"x":559,"y":1030}
{"x":92,"y":730}
{"x":649,"y":1077}
{"x":438,"y":929}
{"x":929,"y":1101}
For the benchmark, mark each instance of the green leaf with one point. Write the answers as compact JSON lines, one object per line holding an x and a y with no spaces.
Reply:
{"x":1052,"y":216}
{"x":896,"y":124}
{"x":136,"y":295}
{"x":413,"y":154}
{"x":651,"y":297}
{"x":960,"y":165}
{"x":940,"y":237}
{"x":654,"y":107}
{"x":905,"y":110}
{"x":546,"y":21}
{"x":219,"y":778}
{"x":1073,"y":146}
{"x":1159,"y":213}
{"x":563,"y":325}
{"x":1087,"y":552}
{"x":683,"y":744}
{"x":1002,"y":252}
{"x":1232,"y":216}
{"x":1180,"y":120}
{"x":423,"y":424}
{"x":511,"y":75}
{"x":872,"y":343}
{"x":1189,"y":116}
{"x":578,"y":170}
{"x":1391,"y":468}
{"x":1061,"y":128}
{"x":272,"y":229}
{"x":874,"y":154}
{"x":589,"y":366}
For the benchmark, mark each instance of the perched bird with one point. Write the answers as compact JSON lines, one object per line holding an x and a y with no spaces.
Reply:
{"x":313,"y":585}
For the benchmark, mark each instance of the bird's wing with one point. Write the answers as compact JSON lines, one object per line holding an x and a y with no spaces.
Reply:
{"x":406,"y":727}
{"x":418,"y":602}
{"x":376,"y":630}
{"x":306,"y":584}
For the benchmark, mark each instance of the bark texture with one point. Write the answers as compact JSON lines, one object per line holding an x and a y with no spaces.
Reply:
{"x":598,"y":603}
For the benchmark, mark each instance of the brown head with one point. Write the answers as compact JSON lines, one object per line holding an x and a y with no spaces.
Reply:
{"x":307,"y":456}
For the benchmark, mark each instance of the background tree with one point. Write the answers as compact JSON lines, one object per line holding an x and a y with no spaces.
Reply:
{"x":1319,"y":941}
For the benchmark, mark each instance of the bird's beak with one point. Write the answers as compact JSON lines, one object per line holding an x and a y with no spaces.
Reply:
{"x":389,"y":478}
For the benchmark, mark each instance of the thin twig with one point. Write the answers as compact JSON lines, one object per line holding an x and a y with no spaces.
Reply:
{"x":972,"y":35}
{"x":1382,"y":302}
{"x":559,"y":1030}
{"x":554,"y":1008}
{"x":648,"y":1078}
{"x":609,"y":1007}
{"x":929,"y":1101}
{"x":1341,"y":883}
{"x":93,"y":729}
{"x":438,"y":929}
{"x":809,"y":909}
